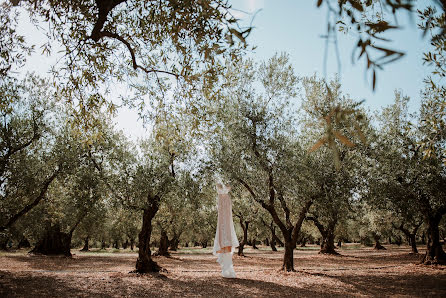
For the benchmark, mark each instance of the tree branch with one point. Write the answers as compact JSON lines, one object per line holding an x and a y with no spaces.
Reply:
{"x":13,"y":149}
{"x":135,"y":65}
{"x":300,"y":220}
{"x":34,"y":203}
{"x":104,"y":8}
{"x":110,"y":188}
{"x":285,"y":209}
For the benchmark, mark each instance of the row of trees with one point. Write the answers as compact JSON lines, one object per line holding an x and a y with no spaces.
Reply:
{"x":326,"y":161}
{"x":363,"y":176}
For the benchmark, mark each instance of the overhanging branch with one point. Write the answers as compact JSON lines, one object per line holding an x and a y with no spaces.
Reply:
{"x":135,"y":65}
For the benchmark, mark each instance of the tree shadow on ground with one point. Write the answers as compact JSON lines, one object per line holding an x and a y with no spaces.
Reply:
{"x":384,"y":283}
{"x":239,"y":287}
{"x":38,"y":286}
{"x":60,"y":263}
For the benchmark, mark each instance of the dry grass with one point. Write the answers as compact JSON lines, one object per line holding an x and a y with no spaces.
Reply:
{"x":194,"y":272}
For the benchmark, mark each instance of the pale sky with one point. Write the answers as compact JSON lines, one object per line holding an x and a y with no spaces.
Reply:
{"x":295,"y":27}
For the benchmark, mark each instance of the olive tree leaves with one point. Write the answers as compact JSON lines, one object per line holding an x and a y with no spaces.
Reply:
{"x":368,"y":20}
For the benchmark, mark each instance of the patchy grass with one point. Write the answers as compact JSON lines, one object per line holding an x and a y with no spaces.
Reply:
{"x":193,"y":272}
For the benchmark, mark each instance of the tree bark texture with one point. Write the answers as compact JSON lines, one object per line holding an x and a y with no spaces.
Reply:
{"x":411,"y":236}
{"x":288,"y":258}
{"x":327,"y":233}
{"x":163,"y":249}
{"x":85,"y":248}
{"x":434,"y":251}
{"x":244,"y":225}
{"x":144,"y":263}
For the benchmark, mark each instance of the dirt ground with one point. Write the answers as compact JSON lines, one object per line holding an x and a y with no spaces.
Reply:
{"x":194,"y":272}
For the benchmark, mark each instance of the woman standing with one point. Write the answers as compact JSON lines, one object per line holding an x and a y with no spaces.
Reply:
{"x":225,"y":240}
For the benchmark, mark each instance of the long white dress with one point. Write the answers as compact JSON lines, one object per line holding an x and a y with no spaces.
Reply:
{"x":225,"y":234}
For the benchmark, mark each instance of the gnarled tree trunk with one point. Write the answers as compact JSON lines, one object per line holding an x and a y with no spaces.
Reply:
{"x":274,"y":238}
{"x":413,"y":243}
{"x":144,"y":263}
{"x":132,"y":243}
{"x":303,"y":241}
{"x":378,"y":245}
{"x":411,"y":235}
{"x":125,"y":244}
{"x":175,"y":241}
{"x":288,"y":258}
{"x":253,"y":241}
{"x":244,"y":225}
{"x":434,"y":251}
{"x":289,"y":230}
{"x":163,"y":249}
{"x":327,"y":245}
{"x":327,"y":233}
{"x":85,"y":248}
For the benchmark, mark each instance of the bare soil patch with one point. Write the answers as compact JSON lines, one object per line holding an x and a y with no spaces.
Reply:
{"x":194,"y":272}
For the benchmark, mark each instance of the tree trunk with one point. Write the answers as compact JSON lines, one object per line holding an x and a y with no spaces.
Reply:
{"x":289,"y":231}
{"x":266,"y":241}
{"x":288,"y":259}
{"x":411,"y":236}
{"x":174,"y":243}
{"x":85,"y":248}
{"x":103,"y":244}
{"x":378,"y":245}
{"x":240,"y":250}
{"x":4,"y":243}
{"x":339,"y":243}
{"x":24,"y":243}
{"x":327,"y":233}
{"x":434,"y":252}
{"x":204,"y":244}
{"x":413,"y":243}
{"x":54,"y":242}
{"x":34,"y":203}
{"x":125,"y":244}
{"x":132,"y":243}
{"x":275,"y":238}
{"x":164,"y":245}
{"x":303,"y":242}
{"x":242,"y":244}
{"x":272,"y":243}
{"x":253,"y":241}
{"x":327,"y":246}
{"x":144,"y":263}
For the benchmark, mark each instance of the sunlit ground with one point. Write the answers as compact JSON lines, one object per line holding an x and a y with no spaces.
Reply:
{"x":194,"y":272}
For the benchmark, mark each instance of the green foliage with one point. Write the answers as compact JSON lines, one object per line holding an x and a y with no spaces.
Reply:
{"x":138,"y":44}
{"x":14,"y":49}
{"x":434,"y":103}
{"x":369,"y":20}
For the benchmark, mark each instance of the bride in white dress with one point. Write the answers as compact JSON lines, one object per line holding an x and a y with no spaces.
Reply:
{"x":225,"y":240}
